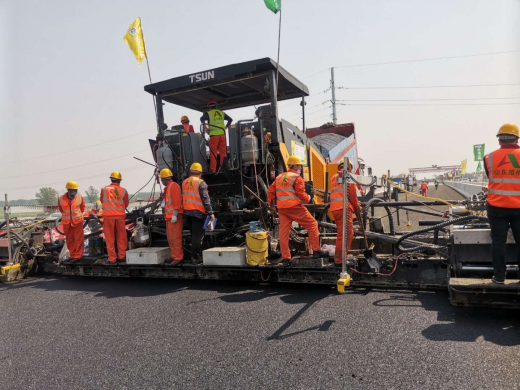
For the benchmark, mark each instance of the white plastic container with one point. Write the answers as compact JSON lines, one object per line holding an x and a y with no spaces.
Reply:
{"x":227,"y":256}
{"x":147,"y":256}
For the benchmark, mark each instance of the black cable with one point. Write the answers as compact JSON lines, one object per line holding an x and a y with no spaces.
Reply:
{"x":388,"y":212}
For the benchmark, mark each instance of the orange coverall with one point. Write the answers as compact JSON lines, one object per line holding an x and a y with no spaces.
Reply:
{"x":74,"y":235}
{"x":338,"y":218}
{"x":188,"y":128}
{"x":114,"y":228}
{"x":173,"y":201}
{"x":297,"y":213}
{"x":217,"y":144}
{"x":424,"y":188}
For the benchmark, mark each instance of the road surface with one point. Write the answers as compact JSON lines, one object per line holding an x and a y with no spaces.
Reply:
{"x":95,"y":333}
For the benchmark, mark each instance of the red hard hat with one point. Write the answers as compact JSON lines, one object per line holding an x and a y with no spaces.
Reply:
{"x":212,"y":102}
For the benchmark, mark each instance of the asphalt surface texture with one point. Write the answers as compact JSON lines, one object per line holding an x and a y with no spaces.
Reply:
{"x":102,"y":333}
{"x":401,"y":221}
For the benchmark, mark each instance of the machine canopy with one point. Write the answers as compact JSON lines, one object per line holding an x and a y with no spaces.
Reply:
{"x":232,"y":86}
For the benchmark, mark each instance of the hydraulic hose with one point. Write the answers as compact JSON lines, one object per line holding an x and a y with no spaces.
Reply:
{"x":434,"y":227}
{"x":388,"y":212}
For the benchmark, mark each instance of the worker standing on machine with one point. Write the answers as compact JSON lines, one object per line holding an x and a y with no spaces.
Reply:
{"x":71,"y":207}
{"x":503,"y":199}
{"x":336,"y":207}
{"x":217,"y":133}
{"x":424,"y":188}
{"x":95,"y":210}
{"x":114,"y":199}
{"x":196,"y":206}
{"x":173,"y":215}
{"x":186,"y":124}
{"x":288,"y":191}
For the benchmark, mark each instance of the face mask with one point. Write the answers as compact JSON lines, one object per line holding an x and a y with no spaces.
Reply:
{"x":73,"y":193}
{"x":299,"y":171}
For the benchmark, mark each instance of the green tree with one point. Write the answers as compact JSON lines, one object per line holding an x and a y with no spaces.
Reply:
{"x":92,"y":194}
{"x":47,"y":196}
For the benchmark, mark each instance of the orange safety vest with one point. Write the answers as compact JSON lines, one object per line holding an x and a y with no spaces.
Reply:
{"x":285,"y":192}
{"x":71,"y":214}
{"x":169,"y":205}
{"x":190,"y":194}
{"x":504,"y":178}
{"x":336,"y":194}
{"x":114,"y":201}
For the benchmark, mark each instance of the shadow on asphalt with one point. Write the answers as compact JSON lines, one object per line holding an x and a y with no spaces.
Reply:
{"x":501,"y":327}
{"x":463,"y":324}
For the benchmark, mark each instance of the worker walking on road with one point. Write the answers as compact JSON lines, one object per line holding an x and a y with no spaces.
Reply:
{"x":217,"y":133}
{"x":196,"y":207}
{"x":173,"y":215}
{"x":186,"y":124}
{"x":336,"y":207}
{"x":436,"y":185}
{"x":114,"y":199}
{"x":288,"y":191}
{"x":503,"y":200}
{"x":72,"y":206}
{"x":424,"y":188}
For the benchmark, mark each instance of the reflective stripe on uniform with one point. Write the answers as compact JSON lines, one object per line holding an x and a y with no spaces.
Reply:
{"x":503,"y":192}
{"x":505,"y":180}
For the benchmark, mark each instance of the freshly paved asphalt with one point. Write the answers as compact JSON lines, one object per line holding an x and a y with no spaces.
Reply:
{"x":94,"y":333}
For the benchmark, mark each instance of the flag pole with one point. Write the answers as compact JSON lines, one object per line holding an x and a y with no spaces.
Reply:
{"x":278,"y":59}
{"x":148,"y":66}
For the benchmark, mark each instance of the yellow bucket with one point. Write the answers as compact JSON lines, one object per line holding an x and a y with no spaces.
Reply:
{"x":256,"y":248}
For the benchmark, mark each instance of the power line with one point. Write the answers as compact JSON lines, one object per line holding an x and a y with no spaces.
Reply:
{"x":74,"y":150}
{"x":128,"y":169}
{"x":76,"y":166}
{"x":429,"y":59}
{"x":422,"y":100}
{"x":432,"y":105}
{"x":416,"y":60}
{"x":434,"y":86}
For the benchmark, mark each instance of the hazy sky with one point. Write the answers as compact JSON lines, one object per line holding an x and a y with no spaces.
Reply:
{"x":69,"y":81}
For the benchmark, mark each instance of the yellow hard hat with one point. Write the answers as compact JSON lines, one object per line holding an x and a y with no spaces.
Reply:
{"x":165,"y":173}
{"x":509,"y":129}
{"x":294,"y":160}
{"x":196,"y":167}
{"x":116,"y":175}
{"x":98,"y":202}
{"x":72,"y":185}
{"x":184,"y":118}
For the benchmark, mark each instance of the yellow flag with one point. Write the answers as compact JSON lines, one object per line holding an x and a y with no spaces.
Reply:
{"x":135,"y":40}
{"x":463,"y":164}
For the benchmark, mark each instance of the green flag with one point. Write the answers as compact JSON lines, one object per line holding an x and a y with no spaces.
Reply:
{"x":479,"y":167}
{"x":478,"y":151}
{"x":273,"y":5}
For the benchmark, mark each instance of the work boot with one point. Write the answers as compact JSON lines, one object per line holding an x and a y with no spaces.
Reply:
{"x":121,"y":261}
{"x":319,"y":254}
{"x":196,"y":261}
{"x":175,"y":262}
{"x":286,"y":262}
{"x":73,"y":261}
{"x":497,"y":281}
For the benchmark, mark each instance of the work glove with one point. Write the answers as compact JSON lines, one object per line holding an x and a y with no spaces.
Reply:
{"x":174,"y":219}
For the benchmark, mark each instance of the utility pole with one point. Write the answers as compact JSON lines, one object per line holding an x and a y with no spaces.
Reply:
{"x":333,"y":89}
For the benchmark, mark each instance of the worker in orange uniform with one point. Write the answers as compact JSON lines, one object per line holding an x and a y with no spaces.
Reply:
{"x":288,"y":191}
{"x":114,"y":200}
{"x":196,"y":206}
{"x":217,"y":133}
{"x":173,"y":215}
{"x":503,"y":200}
{"x":95,"y":210}
{"x":186,"y":124}
{"x":336,"y":207}
{"x":72,"y":206}
{"x":424,"y":188}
